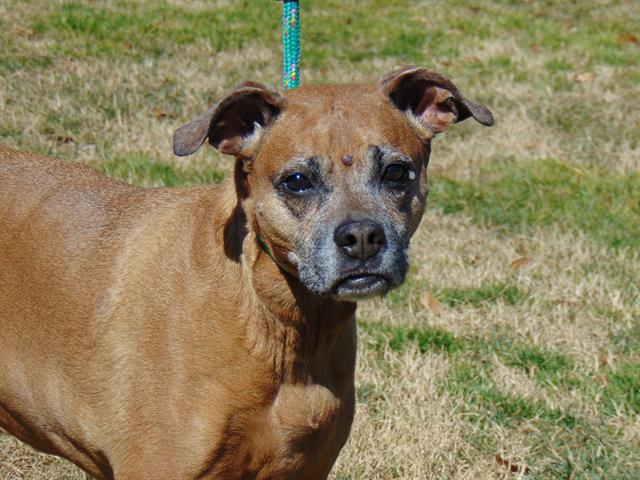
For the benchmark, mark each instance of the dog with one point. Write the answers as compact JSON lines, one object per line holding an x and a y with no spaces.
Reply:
{"x":209,"y":332}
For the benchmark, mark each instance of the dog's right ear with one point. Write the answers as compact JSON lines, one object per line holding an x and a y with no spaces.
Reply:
{"x":233,"y":125}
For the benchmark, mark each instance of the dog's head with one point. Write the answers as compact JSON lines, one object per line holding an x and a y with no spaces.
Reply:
{"x":335,"y":176}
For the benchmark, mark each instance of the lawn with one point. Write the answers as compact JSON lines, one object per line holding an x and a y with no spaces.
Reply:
{"x":513,"y":348}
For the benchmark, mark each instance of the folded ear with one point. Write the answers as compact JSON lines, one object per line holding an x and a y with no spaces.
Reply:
{"x":234,"y":124}
{"x":431,"y":99}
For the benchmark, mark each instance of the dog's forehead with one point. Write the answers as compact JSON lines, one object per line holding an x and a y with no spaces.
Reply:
{"x":333,"y":121}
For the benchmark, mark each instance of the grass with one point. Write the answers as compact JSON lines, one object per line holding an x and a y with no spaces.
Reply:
{"x":539,"y":364}
{"x":623,"y":388}
{"x":123,"y":30}
{"x":147,"y":172}
{"x":537,"y":194}
{"x":516,"y":335}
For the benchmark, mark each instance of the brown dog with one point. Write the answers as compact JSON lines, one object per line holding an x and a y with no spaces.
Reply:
{"x":209,"y":332}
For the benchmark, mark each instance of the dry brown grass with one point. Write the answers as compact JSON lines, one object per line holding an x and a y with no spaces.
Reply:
{"x":17,"y":461}
{"x":424,"y":431}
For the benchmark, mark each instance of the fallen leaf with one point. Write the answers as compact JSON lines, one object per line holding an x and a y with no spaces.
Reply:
{"x":603,"y":360}
{"x":474,"y":260}
{"x":584,"y":77}
{"x":629,"y":38}
{"x":601,"y":379}
{"x":520,"y":263}
{"x":432,"y":303}
{"x":513,"y":468}
{"x":527,"y":428}
{"x":65,"y":139}
{"x":22,"y":31}
{"x":159,"y":113}
{"x":564,"y":301}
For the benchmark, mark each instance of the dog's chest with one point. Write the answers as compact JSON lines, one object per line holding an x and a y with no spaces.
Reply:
{"x":298,"y":435}
{"x":299,"y":412}
{"x":306,"y":423}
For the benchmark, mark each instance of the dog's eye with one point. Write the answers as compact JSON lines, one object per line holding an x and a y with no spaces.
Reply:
{"x":395,"y":173}
{"x":297,"y":183}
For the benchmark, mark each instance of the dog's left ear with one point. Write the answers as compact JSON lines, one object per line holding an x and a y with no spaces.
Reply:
{"x":431,"y":99}
{"x":234,"y":124}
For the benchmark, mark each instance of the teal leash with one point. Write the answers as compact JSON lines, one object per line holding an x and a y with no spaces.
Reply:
{"x":291,"y":66}
{"x":291,"y":43}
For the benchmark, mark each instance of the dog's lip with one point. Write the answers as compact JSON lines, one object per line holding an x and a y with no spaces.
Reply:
{"x":361,"y":285}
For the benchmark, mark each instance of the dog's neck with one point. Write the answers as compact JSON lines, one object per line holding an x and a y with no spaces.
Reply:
{"x":302,"y":328}
{"x":294,"y":329}
{"x":291,"y":326}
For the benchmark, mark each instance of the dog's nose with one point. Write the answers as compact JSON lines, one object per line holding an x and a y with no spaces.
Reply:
{"x":360,"y":239}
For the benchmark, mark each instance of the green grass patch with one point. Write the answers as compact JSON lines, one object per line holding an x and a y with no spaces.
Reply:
{"x":622,"y":392}
{"x":471,"y":379}
{"x":518,"y":196}
{"x":339,"y":31}
{"x":477,"y":297}
{"x":535,"y":359}
{"x":127,"y":29}
{"x":11,"y":63}
{"x":365,"y":391}
{"x":582,"y":447}
{"x":555,"y":65}
{"x":545,"y":366}
{"x":399,"y":338}
{"x":144,"y":171}
{"x":10,"y":131}
{"x":486,"y":294}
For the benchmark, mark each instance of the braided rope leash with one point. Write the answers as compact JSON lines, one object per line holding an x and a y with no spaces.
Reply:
{"x":291,"y":66}
{"x":291,"y":43}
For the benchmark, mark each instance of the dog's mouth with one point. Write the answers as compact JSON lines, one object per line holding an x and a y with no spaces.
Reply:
{"x":361,"y":286}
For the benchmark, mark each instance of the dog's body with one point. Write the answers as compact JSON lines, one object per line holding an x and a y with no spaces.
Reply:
{"x":209,"y":332}
{"x":129,"y":335}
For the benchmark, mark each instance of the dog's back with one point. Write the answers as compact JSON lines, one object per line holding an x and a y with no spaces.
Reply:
{"x":95,"y":280}
{"x":128,"y":332}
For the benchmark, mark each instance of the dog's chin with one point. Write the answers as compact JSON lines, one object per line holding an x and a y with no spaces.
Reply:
{"x":359,"y":287}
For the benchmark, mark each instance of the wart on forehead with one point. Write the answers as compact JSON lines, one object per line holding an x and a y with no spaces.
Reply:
{"x":347,"y":160}
{"x":375,"y":155}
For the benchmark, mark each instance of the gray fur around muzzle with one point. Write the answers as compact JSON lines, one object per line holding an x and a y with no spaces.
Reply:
{"x":327,"y":267}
